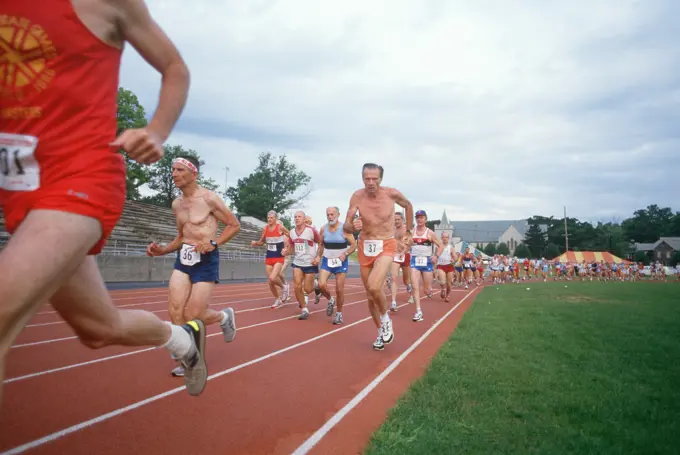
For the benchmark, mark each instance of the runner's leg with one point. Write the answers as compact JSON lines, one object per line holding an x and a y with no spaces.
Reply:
{"x":372,"y":306}
{"x":394,"y":270}
{"x":415,"y":282}
{"x":340,"y":290}
{"x":179,"y":291}
{"x":32,"y":272}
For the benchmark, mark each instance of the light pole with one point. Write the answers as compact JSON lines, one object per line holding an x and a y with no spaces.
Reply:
{"x":226,"y":176}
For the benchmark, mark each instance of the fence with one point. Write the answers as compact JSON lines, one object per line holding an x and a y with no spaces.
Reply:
{"x":128,"y":262}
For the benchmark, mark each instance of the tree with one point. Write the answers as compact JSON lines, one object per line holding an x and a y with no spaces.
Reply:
{"x":490,"y":249}
{"x":503,"y":249}
{"x":432,"y":224}
{"x":641,"y":256}
{"x":647,"y":225}
{"x":551,"y":251}
{"x":536,"y":240}
{"x":131,"y":115}
{"x":160,"y":177}
{"x":523,"y":251}
{"x":676,"y":259}
{"x":275,"y":184}
{"x":287,"y":221}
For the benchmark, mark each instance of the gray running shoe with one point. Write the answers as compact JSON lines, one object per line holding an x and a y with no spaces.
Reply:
{"x":229,"y":325}
{"x":195,"y":368}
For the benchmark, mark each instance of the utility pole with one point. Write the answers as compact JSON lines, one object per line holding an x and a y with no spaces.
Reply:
{"x":566,"y":232}
{"x":226,"y":176}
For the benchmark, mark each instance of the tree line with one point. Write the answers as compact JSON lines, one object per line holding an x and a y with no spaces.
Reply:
{"x":275,"y":184}
{"x":644,"y":226}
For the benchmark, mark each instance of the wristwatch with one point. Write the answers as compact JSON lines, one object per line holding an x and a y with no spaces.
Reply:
{"x":213,"y":243}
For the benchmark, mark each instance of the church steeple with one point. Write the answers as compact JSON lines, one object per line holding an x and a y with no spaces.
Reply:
{"x":444,"y":222}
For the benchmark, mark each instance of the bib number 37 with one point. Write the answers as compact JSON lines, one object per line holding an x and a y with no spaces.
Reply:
{"x":19,"y":170}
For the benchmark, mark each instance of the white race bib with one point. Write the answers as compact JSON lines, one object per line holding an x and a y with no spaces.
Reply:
{"x":400,"y":258}
{"x":188,"y":256}
{"x":334,"y":263}
{"x":421,"y":261}
{"x":19,"y":170}
{"x":373,"y":247}
{"x":271,"y":247}
{"x":300,"y":247}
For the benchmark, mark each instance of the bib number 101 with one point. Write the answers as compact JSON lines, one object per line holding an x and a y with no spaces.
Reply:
{"x":19,"y":170}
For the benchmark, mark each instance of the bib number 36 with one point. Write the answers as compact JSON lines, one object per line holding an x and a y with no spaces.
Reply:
{"x":188,"y":256}
{"x":19,"y":170}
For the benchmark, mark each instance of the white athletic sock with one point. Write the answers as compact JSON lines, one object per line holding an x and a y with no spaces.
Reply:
{"x":380,"y":331}
{"x":179,"y":343}
{"x":224,"y":318}
{"x":394,"y":302}
{"x":339,"y":313}
{"x":384,"y":318}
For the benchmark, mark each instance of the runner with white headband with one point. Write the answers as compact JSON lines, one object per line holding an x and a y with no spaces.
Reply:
{"x":197,"y":268}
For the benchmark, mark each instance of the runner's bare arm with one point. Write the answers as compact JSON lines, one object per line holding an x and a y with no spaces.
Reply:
{"x":146,"y":36}
{"x":401,"y":200}
{"x":176,"y":244}
{"x":348,"y":226}
{"x":437,"y":241}
{"x":319,"y":253}
{"x":352,"y":244}
{"x":261,"y":241}
{"x":223,"y":214}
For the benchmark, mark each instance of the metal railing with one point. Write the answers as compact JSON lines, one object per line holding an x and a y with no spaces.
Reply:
{"x":116,"y":248}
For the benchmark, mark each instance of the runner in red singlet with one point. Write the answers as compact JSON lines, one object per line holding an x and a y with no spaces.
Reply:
{"x":274,"y":236}
{"x":62,"y":180}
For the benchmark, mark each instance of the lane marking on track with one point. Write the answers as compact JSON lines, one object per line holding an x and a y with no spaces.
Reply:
{"x":139,"y":351}
{"x":88,"y":423}
{"x":306,"y":446}
{"x":43,"y":324}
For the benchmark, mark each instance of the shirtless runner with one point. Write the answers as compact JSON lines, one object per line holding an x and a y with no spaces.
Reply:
{"x":376,"y":246}
{"x":63,"y":191}
{"x":402,"y":260}
{"x":197,"y":267}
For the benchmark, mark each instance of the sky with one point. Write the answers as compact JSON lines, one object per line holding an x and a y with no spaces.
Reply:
{"x":488,"y":109}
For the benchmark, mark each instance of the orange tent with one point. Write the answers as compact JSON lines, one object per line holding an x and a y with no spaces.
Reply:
{"x":589,"y":256}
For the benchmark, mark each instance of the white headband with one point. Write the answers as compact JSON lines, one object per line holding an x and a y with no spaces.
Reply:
{"x":187,"y":163}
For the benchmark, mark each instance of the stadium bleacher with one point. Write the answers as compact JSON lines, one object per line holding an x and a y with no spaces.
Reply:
{"x":143,"y":223}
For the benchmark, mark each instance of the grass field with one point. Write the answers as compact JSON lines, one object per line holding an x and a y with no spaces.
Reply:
{"x":588,"y":368}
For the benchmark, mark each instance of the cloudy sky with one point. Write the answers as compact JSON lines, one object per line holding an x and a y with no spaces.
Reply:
{"x":491,"y":109}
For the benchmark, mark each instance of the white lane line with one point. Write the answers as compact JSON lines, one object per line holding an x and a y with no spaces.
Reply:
{"x":88,"y":423}
{"x":139,"y":351}
{"x":306,"y":446}
{"x":43,"y":324}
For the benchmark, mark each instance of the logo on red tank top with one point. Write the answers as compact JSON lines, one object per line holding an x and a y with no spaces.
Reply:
{"x":25,"y":53}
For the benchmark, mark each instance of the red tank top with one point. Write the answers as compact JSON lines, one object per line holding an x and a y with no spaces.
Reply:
{"x":59,"y":83}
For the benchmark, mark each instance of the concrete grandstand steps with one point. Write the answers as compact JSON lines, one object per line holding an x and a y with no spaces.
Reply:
{"x":142,"y":223}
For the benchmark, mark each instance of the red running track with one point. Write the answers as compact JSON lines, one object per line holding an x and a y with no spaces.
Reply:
{"x":283,"y":386}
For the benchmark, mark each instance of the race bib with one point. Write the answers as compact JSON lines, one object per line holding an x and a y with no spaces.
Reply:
{"x":421,"y":261}
{"x":19,"y":170}
{"x":400,"y":258}
{"x":188,"y":256}
{"x":373,"y":247}
{"x":334,"y":263}
{"x":300,"y":247}
{"x":271,"y":247}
